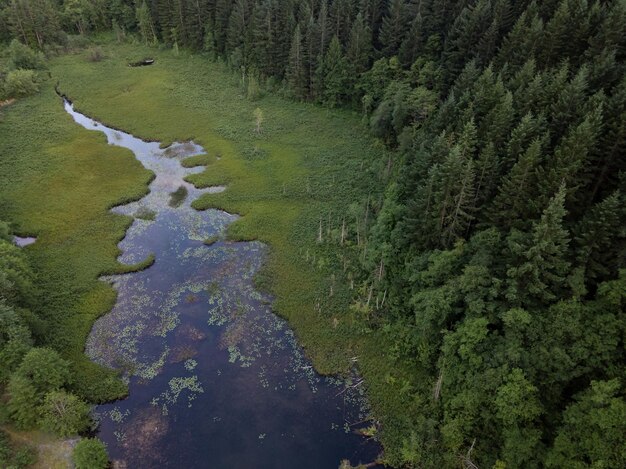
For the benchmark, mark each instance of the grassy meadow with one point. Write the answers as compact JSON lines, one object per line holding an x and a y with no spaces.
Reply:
{"x":294,"y":183}
{"x":57,"y":182}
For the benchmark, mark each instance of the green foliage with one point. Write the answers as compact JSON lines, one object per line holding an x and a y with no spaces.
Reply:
{"x":15,"y":274}
{"x":23,"y":57}
{"x":593,"y":429}
{"x":64,"y":414}
{"x":20,"y":83}
{"x":486,"y":290}
{"x":15,"y":341}
{"x":334,"y":75}
{"x":90,"y":453}
{"x":45,"y":370}
{"x":23,"y":402}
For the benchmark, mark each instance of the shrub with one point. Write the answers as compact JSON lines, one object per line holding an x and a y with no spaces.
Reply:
{"x":90,"y":453}
{"x":77,"y":41}
{"x":20,"y":83}
{"x":95,"y":54}
{"x":23,"y":57}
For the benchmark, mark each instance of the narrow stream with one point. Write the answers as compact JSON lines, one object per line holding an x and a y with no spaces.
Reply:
{"x":216,"y":379}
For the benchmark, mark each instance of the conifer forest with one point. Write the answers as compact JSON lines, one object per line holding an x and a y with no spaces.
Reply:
{"x":441,"y":184}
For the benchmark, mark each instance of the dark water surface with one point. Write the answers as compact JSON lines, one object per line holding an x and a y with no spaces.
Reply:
{"x":216,"y":379}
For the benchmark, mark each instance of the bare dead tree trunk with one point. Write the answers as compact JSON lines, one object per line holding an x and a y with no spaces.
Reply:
{"x":369,"y":295}
{"x":319,"y":235}
{"x":343,"y":231}
{"x":438,"y":384}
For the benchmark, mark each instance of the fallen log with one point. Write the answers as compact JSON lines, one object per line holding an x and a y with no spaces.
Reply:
{"x":141,"y":63}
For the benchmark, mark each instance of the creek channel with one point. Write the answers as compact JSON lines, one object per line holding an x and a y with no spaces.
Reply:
{"x":216,"y":380}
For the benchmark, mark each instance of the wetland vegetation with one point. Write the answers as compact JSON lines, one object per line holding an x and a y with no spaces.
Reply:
{"x":439,"y":184}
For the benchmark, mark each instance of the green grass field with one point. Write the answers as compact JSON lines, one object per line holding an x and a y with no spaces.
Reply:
{"x":309,"y":167}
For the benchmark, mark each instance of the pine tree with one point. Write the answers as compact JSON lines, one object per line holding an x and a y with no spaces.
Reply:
{"x":334,"y":74}
{"x":413,"y":42}
{"x":239,"y":25}
{"x":540,"y":277}
{"x":23,"y":402}
{"x":220,"y":24}
{"x":296,"y":71}
{"x":342,"y":14}
{"x":360,"y":46}
{"x":311,"y":45}
{"x":522,"y":42}
{"x":571,"y":157}
{"x":487,"y":167}
{"x":393,"y":28}
{"x":515,"y":203}
{"x":597,"y":236}
{"x":145,"y":25}
{"x":566,"y":108}
{"x":166,"y":18}
{"x":324,"y":29}
{"x":469,"y":26}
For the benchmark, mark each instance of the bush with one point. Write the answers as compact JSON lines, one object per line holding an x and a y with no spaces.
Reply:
{"x":95,"y":54}
{"x":20,"y":83}
{"x":90,"y":453}
{"x":23,"y":57}
{"x":64,"y":414}
{"x":77,"y":41}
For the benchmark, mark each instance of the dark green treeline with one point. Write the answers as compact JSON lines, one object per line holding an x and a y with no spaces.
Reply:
{"x":495,"y":261}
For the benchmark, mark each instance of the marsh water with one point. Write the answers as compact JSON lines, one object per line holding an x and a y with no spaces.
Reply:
{"x":216,"y":380}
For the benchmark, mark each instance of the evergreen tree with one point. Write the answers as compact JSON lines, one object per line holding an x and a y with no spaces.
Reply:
{"x":15,"y":341}
{"x":334,"y":73}
{"x":515,"y":203}
{"x":541,"y":273}
{"x":596,"y":236}
{"x":23,"y":402}
{"x":360,"y":45}
{"x":145,"y":25}
{"x":393,"y":27}
{"x":413,"y":43}
{"x":238,"y":41}
{"x":342,"y":14}
{"x":296,"y":71}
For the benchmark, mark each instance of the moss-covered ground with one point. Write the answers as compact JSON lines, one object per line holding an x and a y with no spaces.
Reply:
{"x":294,"y":183}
